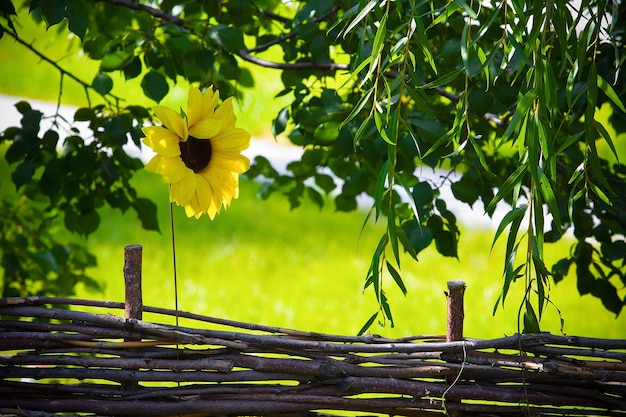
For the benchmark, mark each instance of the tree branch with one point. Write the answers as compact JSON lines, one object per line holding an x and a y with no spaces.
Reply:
{"x":160,"y":14}
{"x":61,"y":70}
{"x":245,"y":54}
{"x":324,"y":66}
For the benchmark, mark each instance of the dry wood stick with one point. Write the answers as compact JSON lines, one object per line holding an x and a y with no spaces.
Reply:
{"x":133,"y":305}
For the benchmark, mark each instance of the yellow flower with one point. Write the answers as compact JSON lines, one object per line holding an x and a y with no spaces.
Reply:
{"x":199,"y":155}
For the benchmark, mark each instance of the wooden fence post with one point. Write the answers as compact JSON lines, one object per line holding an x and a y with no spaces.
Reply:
{"x":454,"y":329}
{"x":133,"y":299}
{"x":133,"y":304}
{"x":456,"y":314}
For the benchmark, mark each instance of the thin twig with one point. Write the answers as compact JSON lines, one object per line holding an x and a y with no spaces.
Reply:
{"x":135,"y":5}
{"x":61,"y":70}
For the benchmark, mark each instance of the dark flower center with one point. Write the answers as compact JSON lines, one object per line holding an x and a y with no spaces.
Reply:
{"x":196,"y":153}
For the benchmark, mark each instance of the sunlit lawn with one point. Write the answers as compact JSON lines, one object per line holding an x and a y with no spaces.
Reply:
{"x":260,"y":262}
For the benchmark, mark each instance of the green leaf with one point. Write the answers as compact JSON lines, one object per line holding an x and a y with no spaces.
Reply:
{"x":229,"y":37}
{"x":561,"y":269}
{"x":550,"y":198}
{"x":147,"y":213}
{"x":513,"y":180}
{"x":396,"y":277}
{"x":380,"y":187}
{"x":358,"y":108}
{"x":607,"y":137}
{"x":614,"y":250}
{"x":367,"y":324}
{"x":512,"y":215}
{"x":386,"y":308}
{"x":467,"y":9}
{"x":345,"y":203}
{"x":377,"y":45}
{"x":115,"y":60}
{"x":84,"y":114}
{"x":424,"y":43}
{"x":325,"y":182}
{"x":96,"y":46}
{"x":607,"y":293}
{"x":205,"y":59}
{"x":481,"y":155}
{"x":155,"y":86}
{"x":392,"y":234}
{"x":598,"y":191}
{"x":102,"y":83}
{"x":421,"y":100}
{"x":77,"y":18}
{"x":364,"y":12}
{"x":420,"y":238}
{"x":610,"y":93}
{"x":6,"y":7}
{"x":406,"y":243}
{"x":315,"y":196}
{"x":23,"y":174}
{"x":446,"y":243}
{"x":569,"y":142}
{"x":444,"y":79}
{"x":569,"y":86}
{"x":510,"y":273}
{"x":53,"y":11}
{"x":133,"y":69}
{"x":411,"y":199}
{"x":82,"y":223}
{"x":326,"y":133}
{"x":531,"y":324}
{"x":279,"y":124}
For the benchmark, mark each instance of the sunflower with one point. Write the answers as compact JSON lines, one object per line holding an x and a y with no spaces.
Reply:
{"x":199,"y":154}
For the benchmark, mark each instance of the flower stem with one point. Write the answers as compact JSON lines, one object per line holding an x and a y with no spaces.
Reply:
{"x":174,"y":255}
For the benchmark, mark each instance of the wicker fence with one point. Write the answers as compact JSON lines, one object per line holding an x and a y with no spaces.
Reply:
{"x":60,"y":361}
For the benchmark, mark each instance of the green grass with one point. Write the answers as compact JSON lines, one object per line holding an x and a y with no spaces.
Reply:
{"x":260,"y":262}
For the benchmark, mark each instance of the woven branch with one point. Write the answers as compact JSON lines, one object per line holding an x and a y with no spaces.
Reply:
{"x":103,"y":364}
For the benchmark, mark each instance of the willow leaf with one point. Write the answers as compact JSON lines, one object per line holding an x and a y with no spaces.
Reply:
{"x":397,"y":278}
{"x":364,"y":12}
{"x":610,"y":92}
{"x":607,"y":137}
{"x":550,"y":199}
{"x":511,"y":216}
{"x":508,"y":185}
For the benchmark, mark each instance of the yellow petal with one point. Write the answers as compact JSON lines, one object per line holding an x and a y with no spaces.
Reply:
{"x":147,"y":130}
{"x":184,"y":190}
{"x":194,"y":106}
{"x":226,"y":114}
{"x":172,"y":169}
{"x":172,"y":120}
{"x":230,"y":161}
{"x":163,"y":141}
{"x":193,"y":208}
{"x":153,"y":164}
{"x":205,"y":128}
{"x":223,"y":184}
{"x":236,"y":139}
{"x":210,"y":99}
{"x":216,"y":197}
{"x":205,"y":193}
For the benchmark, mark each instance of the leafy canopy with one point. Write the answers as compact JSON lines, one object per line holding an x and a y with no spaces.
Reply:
{"x":501,"y":98}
